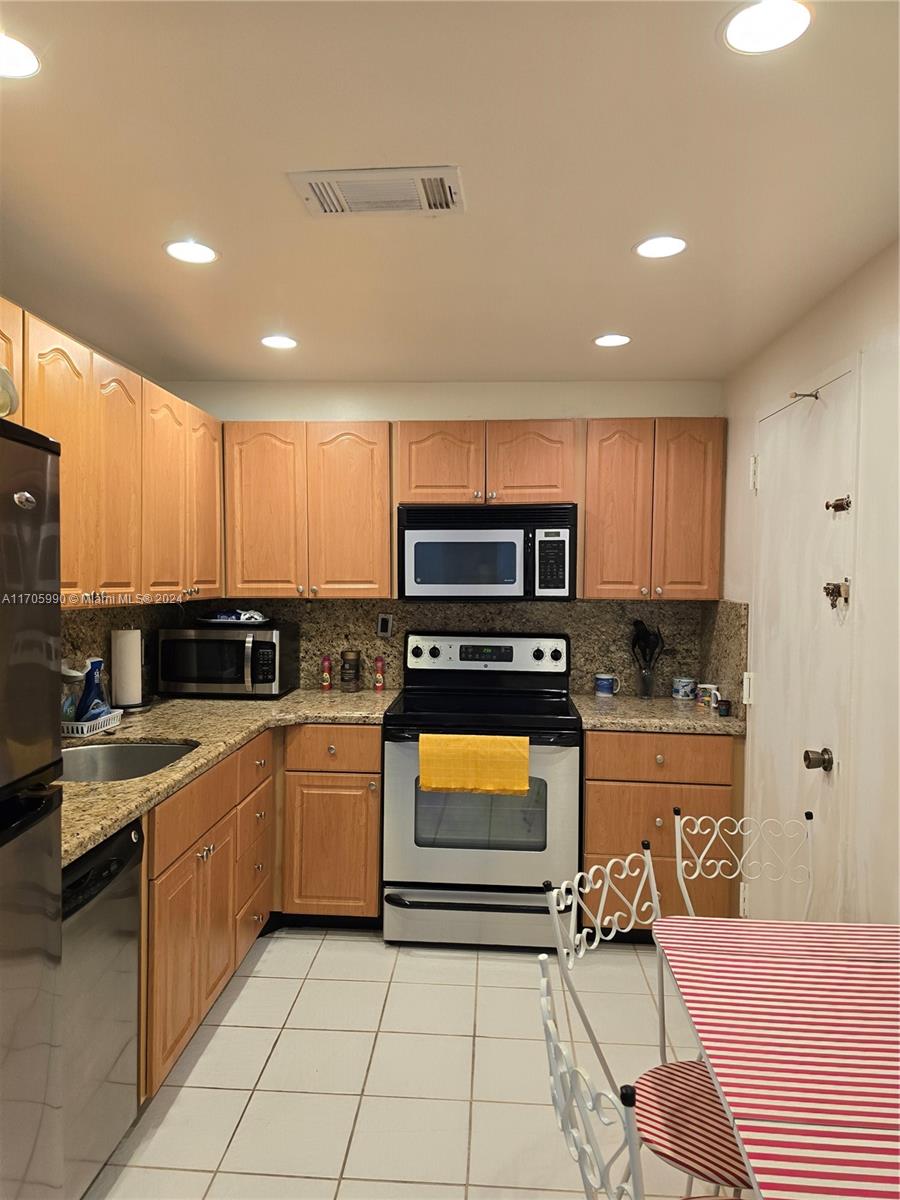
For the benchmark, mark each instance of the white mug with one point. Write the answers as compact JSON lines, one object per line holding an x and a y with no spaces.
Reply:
{"x":708,"y":695}
{"x":606,"y":685}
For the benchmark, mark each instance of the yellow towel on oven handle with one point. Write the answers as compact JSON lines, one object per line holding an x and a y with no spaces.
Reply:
{"x":465,"y":762}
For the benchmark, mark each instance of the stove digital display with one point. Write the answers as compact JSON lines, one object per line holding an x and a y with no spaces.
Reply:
{"x":485,"y":654}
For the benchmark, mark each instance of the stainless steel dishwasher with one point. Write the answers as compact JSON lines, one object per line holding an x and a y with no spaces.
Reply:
{"x":101,"y":908}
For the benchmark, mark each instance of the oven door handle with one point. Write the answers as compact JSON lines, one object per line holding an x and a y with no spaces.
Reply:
{"x":248,"y":663}
{"x":396,"y":900}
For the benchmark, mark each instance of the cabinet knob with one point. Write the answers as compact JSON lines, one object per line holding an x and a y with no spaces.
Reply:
{"x":260,"y":762}
{"x":203,"y":854}
{"x":372,"y":785}
{"x":259,"y":866}
{"x":314,"y":590}
{"x":492,"y":495}
{"x":660,"y":758}
{"x":658,"y":591}
{"x":645,"y":591}
{"x":659,"y":822}
{"x":257,"y":917}
{"x":477,"y":494}
{"x":300,"y":588}
{"x":261,"y":815}
{"x":332,"y":750}
{"x":24,"y":500}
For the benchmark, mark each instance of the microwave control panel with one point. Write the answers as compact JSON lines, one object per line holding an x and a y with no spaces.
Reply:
{"x":264,"y":664}
{"x":552,"y":562}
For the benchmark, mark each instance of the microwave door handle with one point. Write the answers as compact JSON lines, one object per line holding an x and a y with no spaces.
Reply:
{"x":248,"y":663}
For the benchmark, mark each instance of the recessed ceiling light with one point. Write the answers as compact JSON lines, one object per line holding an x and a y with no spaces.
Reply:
{"x":278,"y":341}
{"x":767,"y":25}
{"x":663,"y":246}
{"x":17,"y":61}
{"x":191,"y":252}
{"x":612,"y":339}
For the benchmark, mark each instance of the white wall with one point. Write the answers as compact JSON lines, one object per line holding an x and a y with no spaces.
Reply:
{"x":861,"y":315}
{"x":460,"y":401}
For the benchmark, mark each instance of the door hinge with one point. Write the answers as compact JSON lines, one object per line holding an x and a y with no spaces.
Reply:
{"x":754,"y":474}
{"x":743,"y":901}
{"x":747,"y":694}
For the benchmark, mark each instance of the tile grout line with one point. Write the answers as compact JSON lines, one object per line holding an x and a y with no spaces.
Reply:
{"x":252,"y":1092}
{"x":472,"y":1078}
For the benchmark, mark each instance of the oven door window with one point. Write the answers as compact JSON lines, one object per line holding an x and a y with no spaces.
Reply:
{"x":473,"y":821}
{"x":206,"y":660}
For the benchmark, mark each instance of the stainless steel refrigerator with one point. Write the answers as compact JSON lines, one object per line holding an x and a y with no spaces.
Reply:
{"x":31,"y":1131}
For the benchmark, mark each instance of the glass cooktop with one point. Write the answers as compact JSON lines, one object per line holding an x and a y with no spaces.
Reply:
{"x":481,"y":711}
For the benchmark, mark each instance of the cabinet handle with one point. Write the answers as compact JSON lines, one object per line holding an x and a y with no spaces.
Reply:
{"x":332,"y":750}
{"x":212,"y":847}
{"x":260,"y":762}
{"x":372,"y":785}
{"x":660,"y":758}
{"x":658,"y":591}
{"x":314,"y":590}
{"x":24,"y":500}
{"x":261,"y":815}
{"x":645,"y":591}
{"x":300,"y":588}
{"x":659,"y":822}
{"x":477,"y":494}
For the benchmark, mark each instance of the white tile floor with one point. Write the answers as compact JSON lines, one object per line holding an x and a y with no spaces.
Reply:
{"x":335,"y":1068}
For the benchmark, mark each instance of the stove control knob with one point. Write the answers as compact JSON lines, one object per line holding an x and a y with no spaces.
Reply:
{"x":556,"y":655}
{"x":417,"y":652}
{"x":435,"y":652}
{"x":537,"y":654}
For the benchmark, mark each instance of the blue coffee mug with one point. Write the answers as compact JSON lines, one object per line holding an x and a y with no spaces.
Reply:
{"x":606,"y":685}
{"x":683,"y":688}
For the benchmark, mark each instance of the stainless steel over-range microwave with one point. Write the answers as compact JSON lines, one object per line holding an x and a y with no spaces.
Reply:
{"x":486,"y":552}
{"x":241,"y":661}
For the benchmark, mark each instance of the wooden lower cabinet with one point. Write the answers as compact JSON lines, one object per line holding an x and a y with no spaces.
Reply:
{"x":251,"y":919}
{"x":217,"y":909}
{"x":173,"y":966}
{"x":332,"y":844}
{"x":710,"y":897}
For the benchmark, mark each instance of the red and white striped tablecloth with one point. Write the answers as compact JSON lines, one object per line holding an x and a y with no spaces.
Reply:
{"x":800,"y":1025}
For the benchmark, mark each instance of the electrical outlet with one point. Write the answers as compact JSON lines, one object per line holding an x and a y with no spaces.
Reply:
{"x":384,"y":626}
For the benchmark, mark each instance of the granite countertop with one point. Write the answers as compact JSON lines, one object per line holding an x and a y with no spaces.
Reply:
{"x":93,"y":811}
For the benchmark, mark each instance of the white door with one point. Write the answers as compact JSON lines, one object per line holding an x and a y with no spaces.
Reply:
{"x":801,"y":647}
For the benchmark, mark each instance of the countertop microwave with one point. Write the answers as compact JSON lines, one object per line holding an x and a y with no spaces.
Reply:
{"x":235,"y":660}
{"x":486,"y":552}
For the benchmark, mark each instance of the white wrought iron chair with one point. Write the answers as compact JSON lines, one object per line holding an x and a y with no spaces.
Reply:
{"x":736,"y":849}
{"x":677,"y":1112}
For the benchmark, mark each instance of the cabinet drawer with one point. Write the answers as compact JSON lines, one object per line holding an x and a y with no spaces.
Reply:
{"x":333,"y":748}
{"x":251,"y":918}
{"x":710,"y":897}
{"x":659,"y":757}
{"x":618,"y":816}
{"x":255,"y":815}
{"x":254,"y":866}
{"x":180,"y":820}
{"x":254,"y":763}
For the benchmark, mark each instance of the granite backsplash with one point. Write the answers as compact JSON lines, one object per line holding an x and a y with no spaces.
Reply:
{"x":704,"y":639}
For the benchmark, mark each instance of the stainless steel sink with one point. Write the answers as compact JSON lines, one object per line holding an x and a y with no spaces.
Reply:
{"x":120,"y":760}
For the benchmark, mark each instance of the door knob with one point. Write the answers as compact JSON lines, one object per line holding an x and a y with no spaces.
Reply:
{"x":818,"y":760}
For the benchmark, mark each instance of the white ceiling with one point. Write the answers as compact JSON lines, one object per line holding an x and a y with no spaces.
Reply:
{"x":580,"y":128}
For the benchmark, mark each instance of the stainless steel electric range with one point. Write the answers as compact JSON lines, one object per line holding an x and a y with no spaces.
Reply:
{"x":464,"y":867}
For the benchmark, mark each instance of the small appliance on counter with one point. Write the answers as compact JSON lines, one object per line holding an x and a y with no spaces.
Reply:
{"x":240,"y":660}
{"x":486,"y":552}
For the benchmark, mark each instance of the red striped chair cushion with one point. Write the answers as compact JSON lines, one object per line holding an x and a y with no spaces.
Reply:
{"x":680,"y":1117}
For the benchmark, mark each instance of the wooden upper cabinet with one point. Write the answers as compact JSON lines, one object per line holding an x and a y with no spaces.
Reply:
{"x":618,"y":509}
{"x":113,"y":534}
{"x":164,"y":491}
{"x":687,"y":508}
{"x":348,"y":487}
{"x":531,"y":462}
{"x":11,"y":334}
{"x":205,"y":565}
{"x":265,"y":508}
{"x":439,"y":462}
{"x":59,"y":403}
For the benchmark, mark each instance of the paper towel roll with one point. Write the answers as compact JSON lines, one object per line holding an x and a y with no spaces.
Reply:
{"x":127,"y":689}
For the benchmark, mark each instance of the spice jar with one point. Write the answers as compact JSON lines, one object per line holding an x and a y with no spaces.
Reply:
{"x":350,"y":662}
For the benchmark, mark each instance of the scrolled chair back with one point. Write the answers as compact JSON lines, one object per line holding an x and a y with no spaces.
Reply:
{"x":584,"y":1112}
{"x":743,"y":848}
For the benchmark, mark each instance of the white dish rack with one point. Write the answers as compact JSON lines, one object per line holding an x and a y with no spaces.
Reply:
{"x":105,"y":724}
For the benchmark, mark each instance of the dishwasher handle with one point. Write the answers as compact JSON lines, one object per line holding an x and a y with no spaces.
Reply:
{"x":85,"y":879}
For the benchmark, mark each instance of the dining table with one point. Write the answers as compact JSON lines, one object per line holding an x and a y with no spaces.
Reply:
{"x":799,"y":1024}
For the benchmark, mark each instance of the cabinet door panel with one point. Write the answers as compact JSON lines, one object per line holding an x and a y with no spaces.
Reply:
{"x":349,"y":509}
{"x":173,"y":966}
{"x":265,"y":506}
{"x":440,"y":462}
{"x":332,"y":844}
{"x":59,"y":404}
{"x":531,"y":462}
{"x":619,"y":816}
{"x":687,"y":508}
{"x":618,"y":509}
{"x":11,"y":334}
{"x":115,"y":530}
{"x":205,"y":567}
{"x":252,"y":917}
{"x":217,"y":909}
{"x":164,"y":491}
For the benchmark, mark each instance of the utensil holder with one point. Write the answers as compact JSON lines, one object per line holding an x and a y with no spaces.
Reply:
{"x":646,"y":682}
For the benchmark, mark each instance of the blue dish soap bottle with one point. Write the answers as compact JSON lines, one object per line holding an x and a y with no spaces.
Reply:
{"x":93,"y":703}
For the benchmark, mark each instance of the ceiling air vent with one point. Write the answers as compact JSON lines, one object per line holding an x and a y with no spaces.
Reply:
{"x":429,"y":191}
